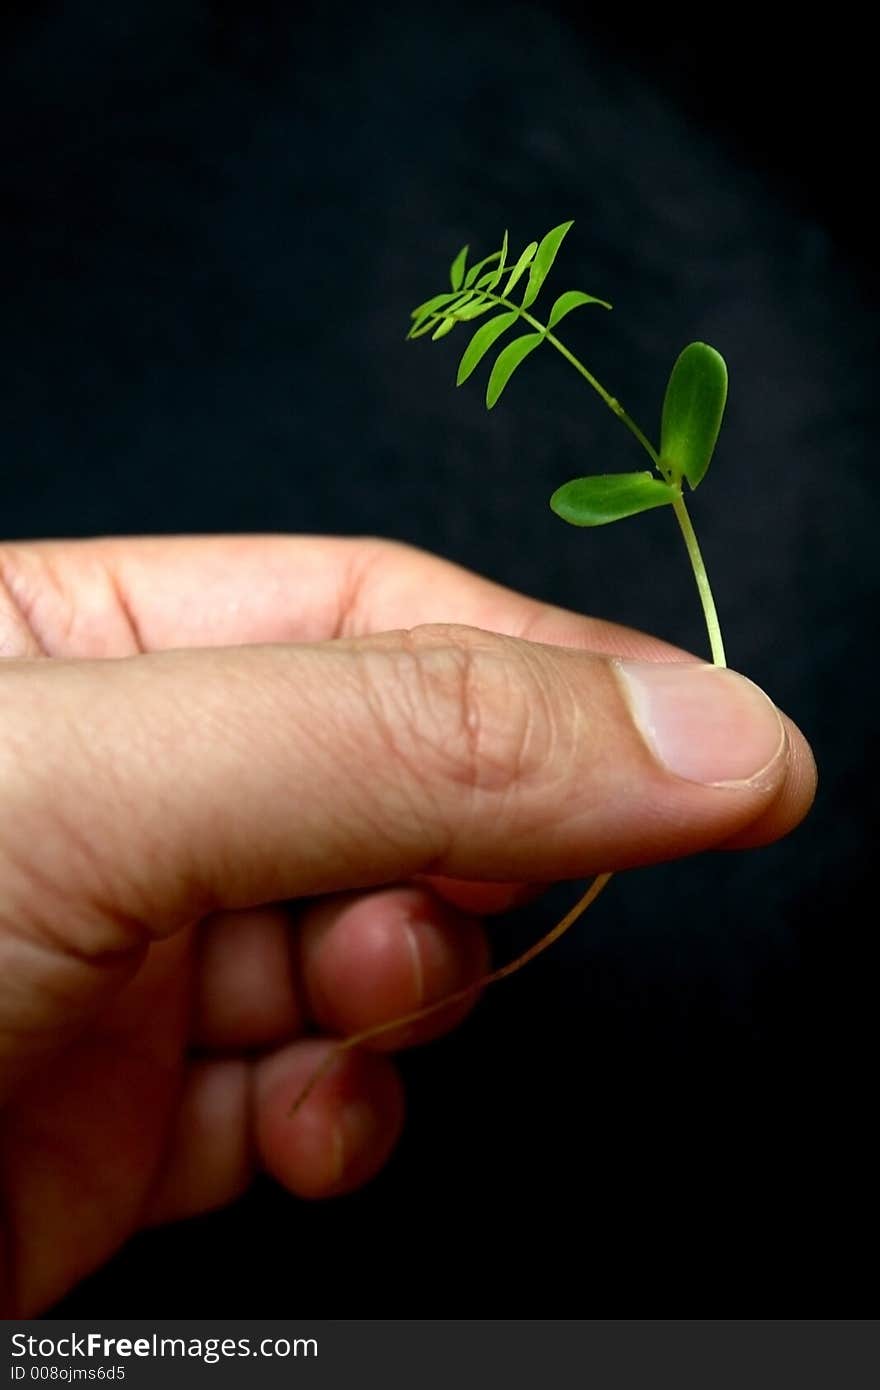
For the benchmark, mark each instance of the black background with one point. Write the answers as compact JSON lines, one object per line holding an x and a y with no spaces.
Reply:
{"x":215,"y":219}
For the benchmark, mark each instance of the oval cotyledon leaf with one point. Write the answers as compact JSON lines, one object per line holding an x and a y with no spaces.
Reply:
{"x":609,"y":497}
{"x":693,"y":408}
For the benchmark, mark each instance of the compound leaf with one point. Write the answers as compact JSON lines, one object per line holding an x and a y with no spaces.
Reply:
{"x":693,"y":408}
{"x":507,"y":362}
{"x":481,"y":342}
{"x":609,"y":497}
{"x":544,"y":258}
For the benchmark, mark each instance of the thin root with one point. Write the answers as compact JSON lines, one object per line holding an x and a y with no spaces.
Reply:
{"x":367,"y":1035}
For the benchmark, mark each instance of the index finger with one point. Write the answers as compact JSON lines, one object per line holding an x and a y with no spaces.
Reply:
{"x":116,"y":597}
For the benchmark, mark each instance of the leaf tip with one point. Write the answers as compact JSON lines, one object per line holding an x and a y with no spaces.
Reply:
{"x":456,"y":270}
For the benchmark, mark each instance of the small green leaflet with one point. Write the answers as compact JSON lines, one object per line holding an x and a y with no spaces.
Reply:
{"x":544,"y":258}
{"x":609,"y":497}
{"x":572,"y":299}
{"x":520,"y":268}
{"x":507,"y":362}
{"x":692,"y":411}
{"x":424,"y":318}
{"x":456,"y":270}
{"x":480,"y":265}
{"x":434,"y":303}
{"x":481,"y":342}
{"x":446,"y":326}
{"x":491,"y":280}
{"x":473,"y":309}
{"x":502,"y":265}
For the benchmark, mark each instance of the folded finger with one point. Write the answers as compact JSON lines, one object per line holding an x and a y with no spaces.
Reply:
{"x":209,"y":1159}
{"x":370,"y":958}
{"x":245,"y":993}
{"x":108,"y":597}
{"x":342,"y":1135}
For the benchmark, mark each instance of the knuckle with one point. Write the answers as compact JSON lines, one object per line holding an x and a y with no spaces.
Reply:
{"x":57,"y":600}
{"x":19,"y":636}
{"x":466,"y":708}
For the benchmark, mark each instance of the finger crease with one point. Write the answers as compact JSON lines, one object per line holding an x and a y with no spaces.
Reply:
{"x":126,"y":609}
{"x":20,"y":613}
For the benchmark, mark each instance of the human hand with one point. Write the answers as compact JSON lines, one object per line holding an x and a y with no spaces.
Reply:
{"x":198,"y":733}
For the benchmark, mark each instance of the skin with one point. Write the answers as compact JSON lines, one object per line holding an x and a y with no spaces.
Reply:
{"x":258,"y":793}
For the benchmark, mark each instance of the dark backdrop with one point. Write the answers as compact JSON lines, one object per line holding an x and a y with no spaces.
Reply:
{"x":215,"y":219}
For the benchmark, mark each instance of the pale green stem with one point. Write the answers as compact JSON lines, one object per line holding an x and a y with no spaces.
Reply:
{"x":713,"y":627}
{"x":610,"y":401}
{"x":459,"y":997}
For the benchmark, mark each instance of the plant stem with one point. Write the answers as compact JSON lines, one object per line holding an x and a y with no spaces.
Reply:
{"x":713,"y":627}
{"x":460,"y":995}
{"x":610,"y":401}
{"x":710,"y":613}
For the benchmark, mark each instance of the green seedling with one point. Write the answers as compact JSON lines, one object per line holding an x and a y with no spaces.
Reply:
{"x":690,"y":420}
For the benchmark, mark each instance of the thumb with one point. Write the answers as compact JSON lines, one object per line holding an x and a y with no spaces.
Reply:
{"x":141,"y":794}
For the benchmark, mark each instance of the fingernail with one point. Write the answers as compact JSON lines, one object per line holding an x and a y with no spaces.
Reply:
{"x":354,"y":1134}
{"x":415,"y":956}
{"x":704,"y":723}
